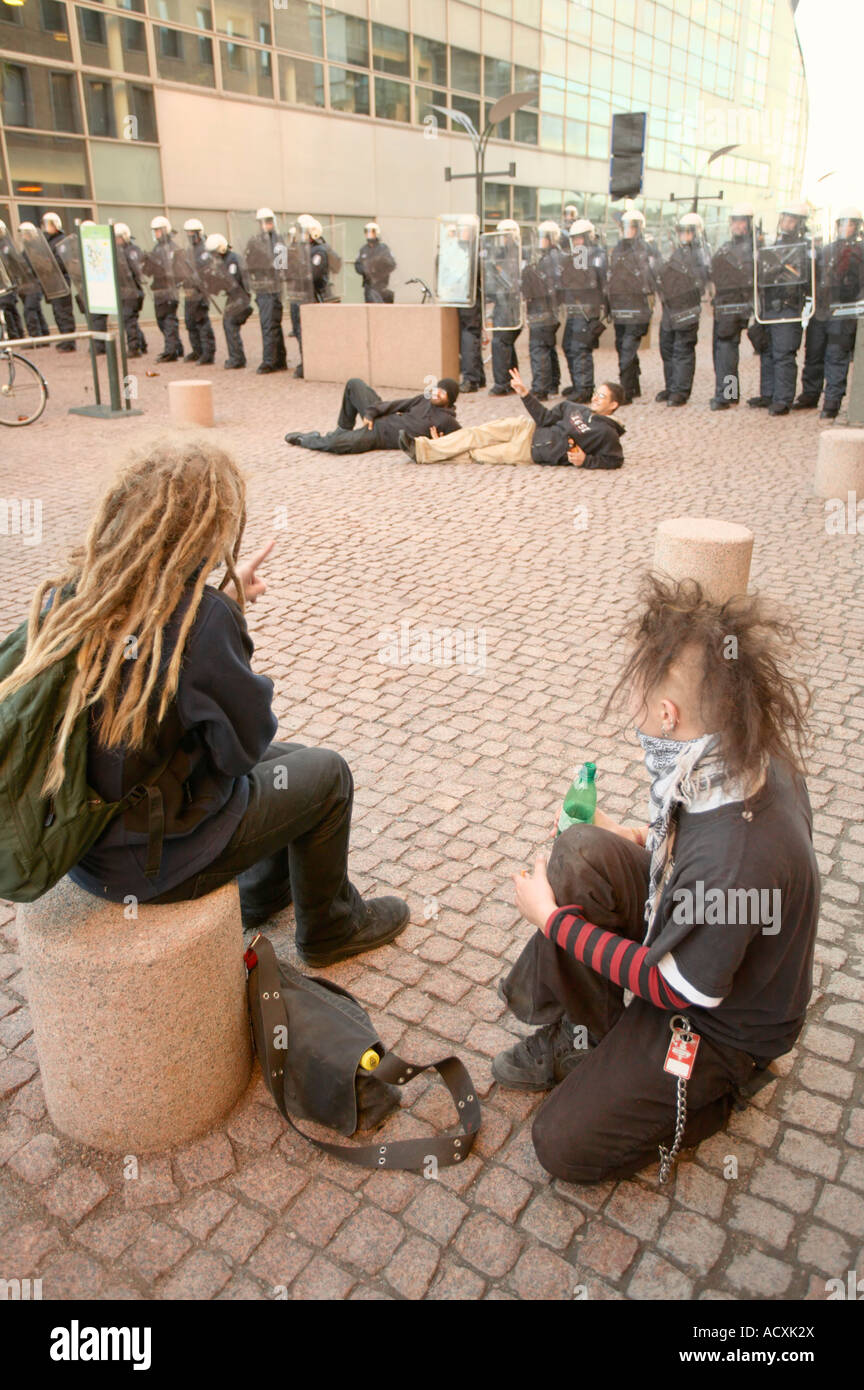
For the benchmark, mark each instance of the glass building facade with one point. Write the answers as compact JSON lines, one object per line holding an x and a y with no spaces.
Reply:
{"x":81,"y":86}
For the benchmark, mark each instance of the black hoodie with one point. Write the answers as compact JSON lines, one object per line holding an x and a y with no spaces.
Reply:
{"x":598,"y":436}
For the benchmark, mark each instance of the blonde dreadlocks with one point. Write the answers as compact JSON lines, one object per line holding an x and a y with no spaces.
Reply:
{"x":173,"y":514}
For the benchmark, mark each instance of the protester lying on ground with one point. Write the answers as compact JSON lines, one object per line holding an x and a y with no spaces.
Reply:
{"x":581,"y":435}
{"x":383,"y":421}
{"x":709,"y":912}
{"x":179,"y":694}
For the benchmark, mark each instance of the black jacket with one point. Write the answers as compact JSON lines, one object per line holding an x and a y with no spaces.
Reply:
{"x":598,"y":436}
{"x":220,"y":725}
{"x":415,"y":415}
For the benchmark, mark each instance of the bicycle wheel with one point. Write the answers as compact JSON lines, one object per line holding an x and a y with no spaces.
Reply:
{"x":23,"y":390}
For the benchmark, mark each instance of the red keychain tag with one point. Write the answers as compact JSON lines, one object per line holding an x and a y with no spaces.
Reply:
{"x":681,"y":1053}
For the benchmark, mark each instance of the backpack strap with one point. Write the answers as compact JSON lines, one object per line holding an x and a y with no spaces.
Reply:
{"x":155,"y":813}
{"x":403,"y":1153}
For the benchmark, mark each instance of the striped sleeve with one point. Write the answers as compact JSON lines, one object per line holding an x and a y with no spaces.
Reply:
{"x":614,"y":957}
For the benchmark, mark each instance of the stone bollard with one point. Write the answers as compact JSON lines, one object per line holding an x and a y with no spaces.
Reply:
{"x":191,"y":403}
{"x":840,"y":464}
{"x":716,"y":553}
{"x":141,"y":1026}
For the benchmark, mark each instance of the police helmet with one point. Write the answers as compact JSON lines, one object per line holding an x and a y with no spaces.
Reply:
{"x":633,"y":215}
{"x":507,"y":225}
{"x":121,"y":230}
{"x":550,"y":230}
{"x":160,"y":224}
{"x":53,"y":220}
{"x":582,"y":227}
{"x":849,"y":214}
{"x":572,"y":209}
{"x":373,"y":228}
{"x":691,"y":220}
{"x":310,"y":225}
{"x":265,"y":215}
{"x":192,"y":224}
{"x":742,"y":210}
{"x":216,"y":242}
{"x":28,"y":228}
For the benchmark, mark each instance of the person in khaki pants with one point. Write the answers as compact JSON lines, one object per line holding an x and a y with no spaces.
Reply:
{"x":581,"y":435}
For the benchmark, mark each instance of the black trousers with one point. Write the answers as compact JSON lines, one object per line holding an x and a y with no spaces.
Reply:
{"x":169,"y":327}
{"x":196,"y":312}
{"x":504,"y":355}
{"x":543,"y":354}
{"x":778,"y":366}
{"x":37,"y":324}
{"x":471,"y":345}
{"x":64,"y":317}
{"x":838,"y":354}
{"x":608,"y":1116}
{"x":726,"y":347}
{"x":678,"y":351}
{"x":291,"y":842}
{"x":233,"y":319}
{"x":813,"y":371}
{"x":135,"y":340}
{"x":580,"y":335}
{"x":345,"y":439}
{"x":272,"y":342}
{"x":628,"y":336}
{"x":11,"y":318}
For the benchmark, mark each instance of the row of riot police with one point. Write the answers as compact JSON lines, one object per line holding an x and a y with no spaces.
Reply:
{"x":773,"y":291}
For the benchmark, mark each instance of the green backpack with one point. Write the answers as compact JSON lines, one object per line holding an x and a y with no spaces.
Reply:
{"x":41,"y":838}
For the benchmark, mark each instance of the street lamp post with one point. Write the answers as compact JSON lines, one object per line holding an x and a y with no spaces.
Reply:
{"x":700,"y":174}
{"x":501,"y":110}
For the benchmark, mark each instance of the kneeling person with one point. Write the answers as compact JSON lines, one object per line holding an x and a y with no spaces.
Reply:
{"x":384,"y":421}
{"x":585,"y":436}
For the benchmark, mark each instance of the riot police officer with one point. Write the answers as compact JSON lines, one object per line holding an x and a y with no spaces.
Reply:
{"x":37,"y":324}
{"x":196,"y":304}
{"x":503,"y":304}
{"x":158,"y":263}
{"x":631,"y":284}
{"x":682,"y":281}
{"x":784,"y":285}
{"x":732,"y":275}
{"x":322,"y":260}
{"x":10,"y":319}
{"x":584,"y":298}
{"x":472,"y":370}
{"x":375,"y":265}
{"x":265,"y":260}
{"x":843,"y":277}
{"x":228,"y":275}
{"x":541,"y":286}
{"x":571,"y":215}
{"x":133,"y":299}
{"x":64,"y":314}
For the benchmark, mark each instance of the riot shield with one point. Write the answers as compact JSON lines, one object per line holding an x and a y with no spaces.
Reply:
{"x":16,"y":266}
{"x":52,"y":281}
{"x":294,"y":262}
{"x":327,"y":259}
{"x":785,"y":288}
{"x":840,"y":278}
{"x":500,"y":280}
{"x":158,"y":264}
{"x":376,"y":264}
{"x":188,"y":271}
{"x":680,"y":287}
{"x":69,"y":252}
{"x":129,"y":291}
{"x":732,"y":277}
{"x":630,"y":286}
{"x":583,"y":291}
{"x":456,"y":256}
{"x":264,"y":253}
{"x":541,"y":285}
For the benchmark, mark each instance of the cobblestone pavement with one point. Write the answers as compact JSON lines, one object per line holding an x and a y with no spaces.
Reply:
{"x":459,"y":771}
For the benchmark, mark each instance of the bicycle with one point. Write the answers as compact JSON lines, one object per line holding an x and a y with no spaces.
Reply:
{"x":23,"y":388}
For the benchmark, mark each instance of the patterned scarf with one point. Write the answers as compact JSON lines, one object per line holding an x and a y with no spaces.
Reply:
{"x":684,"y":772}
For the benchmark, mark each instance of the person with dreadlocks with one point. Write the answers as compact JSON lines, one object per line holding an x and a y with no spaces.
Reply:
{"x":164,"y":672}
{"x":707,"y":915}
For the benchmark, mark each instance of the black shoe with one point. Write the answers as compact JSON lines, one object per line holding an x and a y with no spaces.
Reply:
{"x":662,"y":396}
{"x":716,"y":403}
{"x":385,"y":919}
{"x":578,"y":397}
{"x":466,"y":387}
{"x":206,"y":361}
{"x":805,"y":403}
{"x":759,"y":402}
{"x":407,"y":445}
{"x":829,"y":412}
{"x":134,"y":353}
{"x":778,"y":409}
{"x":233,"y":366}
{"x":293,"y":438}
{"x":501,"y":391}
{"x":541,"y":1060}
{"x":192,"y":357}
{"x":540,"y":395}
{"x":264,"y":369}
{"x":65,"y":347}
{"x":298,"y":371}
{"x":677,"y":399}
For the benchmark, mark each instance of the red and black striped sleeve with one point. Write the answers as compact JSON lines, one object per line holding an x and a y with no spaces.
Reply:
{"x":614,"y":957}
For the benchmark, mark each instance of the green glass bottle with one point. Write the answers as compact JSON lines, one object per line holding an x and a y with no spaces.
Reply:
{"x":580,"y":802}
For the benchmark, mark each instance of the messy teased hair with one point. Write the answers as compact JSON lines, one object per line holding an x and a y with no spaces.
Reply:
{"x":749,"y":697}
{"x":175,"y":512}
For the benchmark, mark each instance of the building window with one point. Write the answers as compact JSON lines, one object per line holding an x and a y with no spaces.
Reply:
{"x":525,"y":127}
{"x":347,"y":38}
{"x":349,"y":91}
{"x":392,"y":100}
{"x":47,"y":169}
{"x":243,"y":18}
{"x":465,"y":70}
{"x":430,"y":61}
{"x":424,"y":99}
{"x":300,"y":82}
{"x":246,"y":70}
{"x":64,"y":102}
{"x":497,"y":77}
{"x":298,"y":27}
{"x":185,"y":57}
{"x":390,"y":50}
{"x":469,"y":108}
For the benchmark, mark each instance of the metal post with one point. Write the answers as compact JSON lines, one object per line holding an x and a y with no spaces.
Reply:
{"x":87,"y":319}
{"x":121,"y":326}
{"x":113,"y":375}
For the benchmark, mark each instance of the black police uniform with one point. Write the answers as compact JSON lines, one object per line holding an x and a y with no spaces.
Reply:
{"x":136,"y":343}
{"x":64,"y":314}
{"x":632,"y":257}
{"x":158,"y":263}
{"x":196,"y":305}
{"x":733,"y":309}
{"x":583,"y":326}
{"x":323,"y":260}
{"x":375,"y":265}
{"x":238,"y":307}
{"x":778,"y":363}
{"x":506,"y":300}
{"x":541,"y":286}
{"x":844,"y":277}
{"x":473,"y":373}
{"x":678,"y":342}
{"x":262,"y":264}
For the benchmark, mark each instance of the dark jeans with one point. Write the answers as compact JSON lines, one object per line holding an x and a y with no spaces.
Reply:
{"x":678,"y":352}
{"x":608,"y":1116}
{"x":291,"y":842}
{"x":11,"y":318}
{"x":64,"y":317}
{"x":356,"y":398}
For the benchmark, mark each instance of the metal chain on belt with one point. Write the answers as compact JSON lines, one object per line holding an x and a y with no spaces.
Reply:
{"x":668,"y":1156}
{"x":679,"y":1061}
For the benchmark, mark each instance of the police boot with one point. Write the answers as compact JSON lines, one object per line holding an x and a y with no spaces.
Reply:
{"x":806,"y":401}
{"x":676,"y":398}
{"x":777,"y":408}
{"x":759,"y":402}
{"x":829,"y":412}
{"x":662,"y":396}
{"x":717,"y":403}
{"x":191,"y":357}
